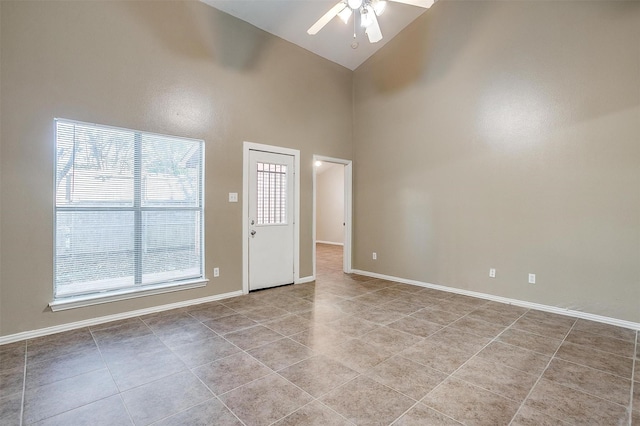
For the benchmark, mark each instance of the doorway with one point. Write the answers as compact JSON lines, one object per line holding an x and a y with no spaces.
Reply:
{"x":270,"y":216}
{"x":332,"y":207}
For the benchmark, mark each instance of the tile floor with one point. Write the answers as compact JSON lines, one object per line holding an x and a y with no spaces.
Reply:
{"x":344,"y":350}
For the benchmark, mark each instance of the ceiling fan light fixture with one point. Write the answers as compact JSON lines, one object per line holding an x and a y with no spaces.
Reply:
{"x":365,"y":17}
{"x":379,"y":6}
{"x":345,"y":14}
{"x":354,"y":4}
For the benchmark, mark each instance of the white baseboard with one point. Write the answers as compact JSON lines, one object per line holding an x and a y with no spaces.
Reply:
{"x":329,"y":242}
{"x":101,"y":320}
{"x":304,"y":280}
{"x":509,"y":301}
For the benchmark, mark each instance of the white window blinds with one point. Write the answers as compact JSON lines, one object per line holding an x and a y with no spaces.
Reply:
{"x":128,"y":209}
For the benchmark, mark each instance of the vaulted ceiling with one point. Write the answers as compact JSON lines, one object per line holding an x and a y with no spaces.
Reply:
{"x":290,"y":19}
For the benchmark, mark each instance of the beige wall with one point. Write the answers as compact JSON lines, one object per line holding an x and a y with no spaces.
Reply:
{"x":506,"y":135}
{"x":167,"y":67}
{"x":330,"y":204}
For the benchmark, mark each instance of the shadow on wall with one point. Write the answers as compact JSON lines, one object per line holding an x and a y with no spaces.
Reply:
{"x":230,"y":42}
{"x":406,"y":59}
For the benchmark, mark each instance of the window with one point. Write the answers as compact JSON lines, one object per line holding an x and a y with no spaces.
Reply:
{"x":128,"y":209}
{"x":272,"y":194}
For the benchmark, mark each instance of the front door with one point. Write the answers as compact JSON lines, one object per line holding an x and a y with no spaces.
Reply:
{"x":271,"y":214}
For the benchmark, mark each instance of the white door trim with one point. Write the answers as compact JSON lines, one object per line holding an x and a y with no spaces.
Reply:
{"x":251,"y":146}
{"x":348,"y":210}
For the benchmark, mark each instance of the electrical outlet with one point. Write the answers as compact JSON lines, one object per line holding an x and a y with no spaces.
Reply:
{"x":532,"y":278}
{"x":216,"y":272}
{"x":375,"y":256}
{"x":492,"y":273}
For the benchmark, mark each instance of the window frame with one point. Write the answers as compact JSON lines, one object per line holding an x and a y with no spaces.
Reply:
{"x":138,"y":289}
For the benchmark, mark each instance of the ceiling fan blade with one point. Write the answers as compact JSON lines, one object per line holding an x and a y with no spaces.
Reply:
{"x":324,"y":20}
{"x":419,"y":3}
{"x":373,"y":30}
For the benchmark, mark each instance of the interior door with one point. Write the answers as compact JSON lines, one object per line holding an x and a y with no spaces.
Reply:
{"x":270,"y":218}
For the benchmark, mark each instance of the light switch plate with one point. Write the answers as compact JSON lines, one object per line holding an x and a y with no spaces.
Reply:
{"x":233,"y":197}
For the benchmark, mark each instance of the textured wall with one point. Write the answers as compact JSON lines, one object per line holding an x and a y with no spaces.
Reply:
{"x":506,"y":135}
{"x":330,"y":204}
{"x":178,"y":68}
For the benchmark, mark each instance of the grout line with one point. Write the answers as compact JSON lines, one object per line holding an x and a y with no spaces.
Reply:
{"x":126,"y":409}
{"x":542,"y":374}
{"x":24,"y":381}
{"x":633,"y":378}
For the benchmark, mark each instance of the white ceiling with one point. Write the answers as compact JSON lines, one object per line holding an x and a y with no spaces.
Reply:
{"x":290,"y":19}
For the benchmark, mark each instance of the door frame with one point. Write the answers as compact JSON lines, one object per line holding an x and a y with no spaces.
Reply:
{"x":348,"y":210}
{"x":251,"y":146}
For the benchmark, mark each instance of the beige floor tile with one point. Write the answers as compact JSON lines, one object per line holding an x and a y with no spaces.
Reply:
{"x":187,"y":334}
{"x":231,"y":372}
{"x":12,"y":355}
{"x":498,"y":378}
{"x":599,"y":360}
{"x":252,"y":337}
{"x":549,"y":318}
{"x":415,"y":326}
{"x":358,"y":355}
{"x":265,"y":401}
{"x":500,"y":317}
{"x":437,"y":356}
{"x":313,"y":414}
{"x":229,"y":324}
{"x":11,"y":381}
{"x":289,"y":325}
{"x":574,"y":406}
{"x":10,"y":407}
{"x":379,"y":315}
{"x":605,"y":330}
{"x":60,"y":368}
{"x":323,"y":313}
{"x":594,"y":382}
{"x":162,"y":398}
{"x":471,"y":405}
{"x":205,"y":413}
{"x":105,"y":412}
{"x":60,"y":344}
{"x":391,"y":339}
{"x":618,"y":347}
{"x":402,"y":307}
{"x":281,"y":353}
{"x":168,"y":320}
{"x":364,"y":401}
{"x":318,"y":375}
{"x":210,"y":311}
{"x":120,"y":331}
{"x":437,"y":316}
{"x":352,"y":326}
{"x":320,"y":338}
{"x":478,"y":327}
{"x":421,"y":415}
{"x":202,"y":352}
{"x":406,"y":376}
{"x":554,"y":330}
{"x":64,"y":395}
{"x":532,"y":342}
{"x":515,"y":357}
{"x":144,"y":367}
{"x":527,"y":416}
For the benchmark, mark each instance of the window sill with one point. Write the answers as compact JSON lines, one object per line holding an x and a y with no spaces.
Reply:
{"x":113,"y":296}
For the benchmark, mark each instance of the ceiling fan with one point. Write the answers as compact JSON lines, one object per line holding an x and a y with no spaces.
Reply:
{"x":369,"y":11}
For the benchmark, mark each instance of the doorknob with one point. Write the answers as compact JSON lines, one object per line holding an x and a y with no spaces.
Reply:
{"x":253,"y":232}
